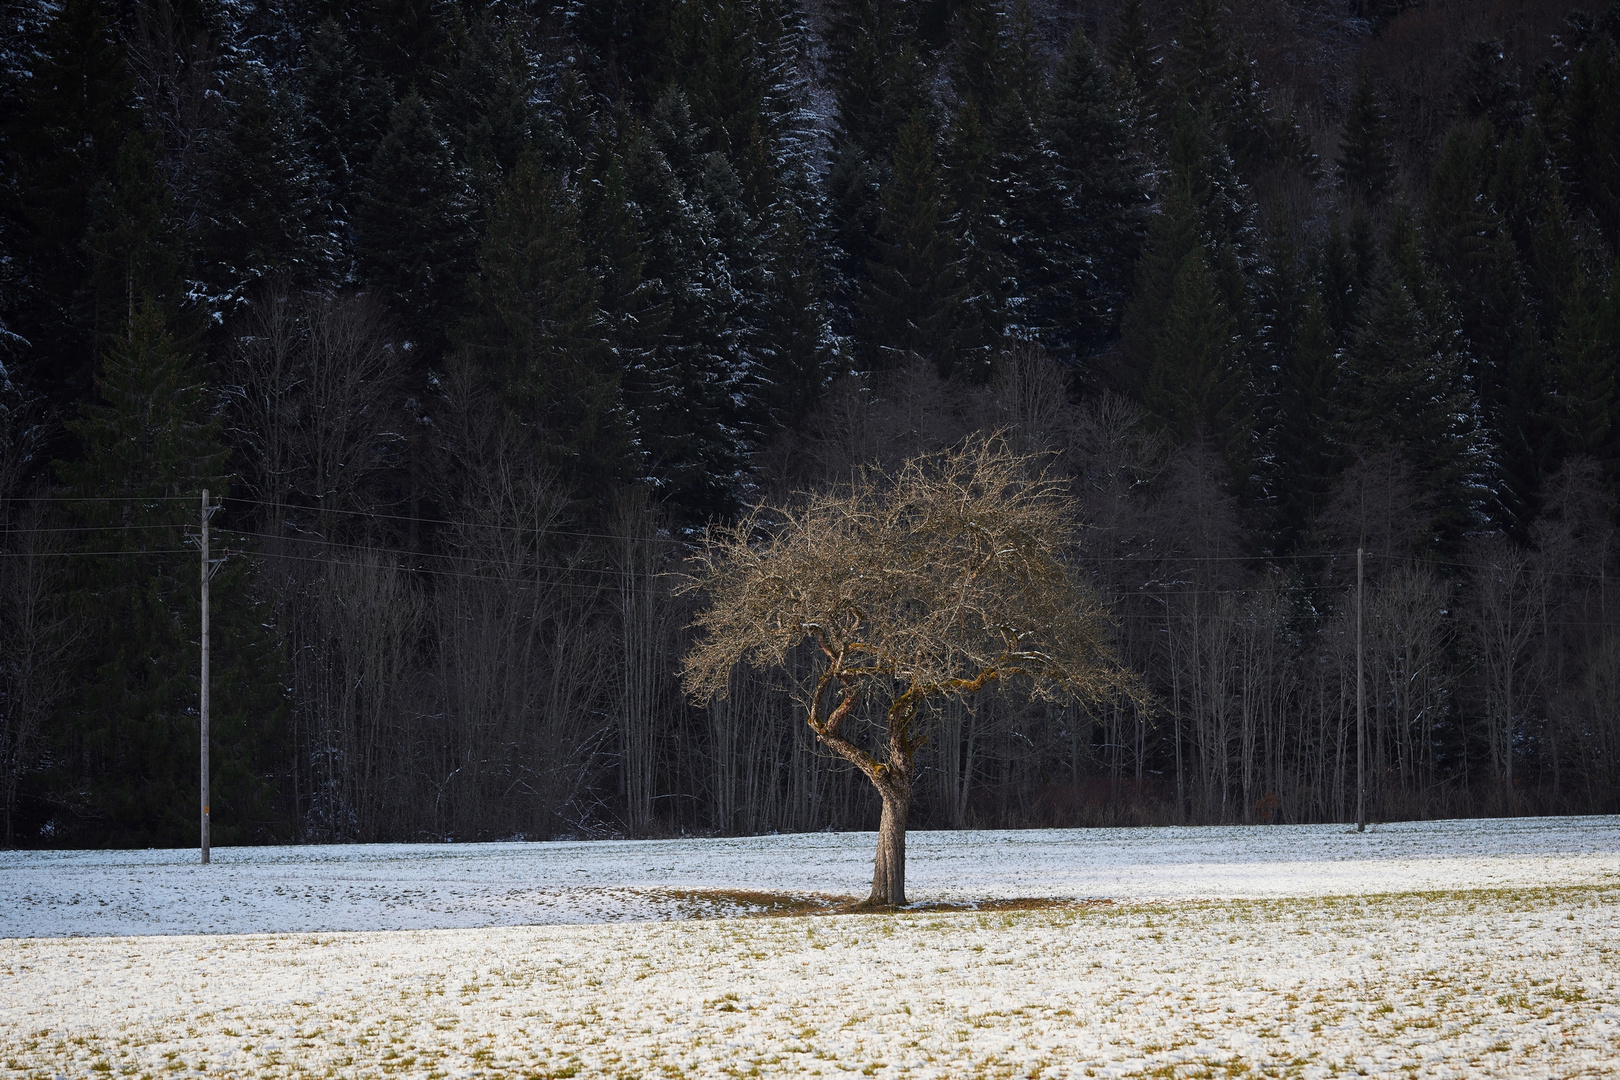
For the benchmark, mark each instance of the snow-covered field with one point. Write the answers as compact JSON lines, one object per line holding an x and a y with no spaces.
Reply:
{"x":442,"y":886}
{"x":1442,"y":949}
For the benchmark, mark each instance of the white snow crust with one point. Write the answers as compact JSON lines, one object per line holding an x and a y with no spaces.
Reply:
{"x":443,"y":886}
{"x":1451,"y":949}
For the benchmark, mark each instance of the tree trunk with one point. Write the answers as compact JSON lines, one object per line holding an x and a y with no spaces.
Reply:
{"x":889,"y":868}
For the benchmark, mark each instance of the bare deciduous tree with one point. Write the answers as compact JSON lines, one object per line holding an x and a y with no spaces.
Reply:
{"x":312,"y":392}
{"x":929,"y":585}
{"x":37,"y":640}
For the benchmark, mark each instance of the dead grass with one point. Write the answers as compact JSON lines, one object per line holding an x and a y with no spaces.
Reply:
{"x":746,"y":903}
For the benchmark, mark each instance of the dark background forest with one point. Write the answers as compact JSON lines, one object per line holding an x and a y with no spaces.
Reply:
{"x":476,"y":313}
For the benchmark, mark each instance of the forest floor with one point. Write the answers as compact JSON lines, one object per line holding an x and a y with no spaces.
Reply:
{"x":1444,"y":949}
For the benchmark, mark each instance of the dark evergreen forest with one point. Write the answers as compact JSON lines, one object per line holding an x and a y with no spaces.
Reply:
{"x":475,"y":313}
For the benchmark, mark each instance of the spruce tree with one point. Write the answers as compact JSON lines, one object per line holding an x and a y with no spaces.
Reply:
{"x":911,"y":298}
{"x":414,"y":237}
{"x":1587,"y":127}
{"x":1345,"y":268}
{"x":1130,"y":53}
{"x":1478,"y":261}
{"x":137,"y":246}
{"x":795,"y":345}
{"x":1197,"y":387}
{"x":881,"y":82}
{"x":689,"y":390}
{"x":410,"y":43}
{"x":76,"y":115}
{"x":537,"y":333}
{"x":1209,"y":73}
{"x":635,"y":310}
{"x":738,"y":64}
{"x":265,"y":212}
{"x":979,"y":229}
{"x":1200,"y":165}
{"x":1586,"y":370}
{"x":1203,"y":206}
{"x":489,"y":107}
{"x":1366,"y":167}
{"x":1554,"y":264}
{"x":1173,"y":236}
{"x":1203,"y":69}
{"x":622,"y":45}
{"x":1306,"y":439}
{"x":1023,"y":188}
{"x":1407,"y":386}
{"x":346,"y":110}
{"x":128,"y":746}
{"x":1099,"y":207}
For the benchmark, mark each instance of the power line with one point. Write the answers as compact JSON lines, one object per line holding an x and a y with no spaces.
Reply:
{"x":84,"y":554}
{"x":371,"y":515}
{"x":1171,"y":559}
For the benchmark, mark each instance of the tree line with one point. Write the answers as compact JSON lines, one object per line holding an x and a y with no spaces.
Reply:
{"x":478,"y":314}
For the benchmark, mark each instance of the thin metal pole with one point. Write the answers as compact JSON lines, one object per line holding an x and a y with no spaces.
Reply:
{"x":1361,"y":714}
{"x":203,"y":710}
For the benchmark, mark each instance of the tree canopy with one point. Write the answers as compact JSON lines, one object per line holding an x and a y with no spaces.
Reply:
{"x":942,"y":580}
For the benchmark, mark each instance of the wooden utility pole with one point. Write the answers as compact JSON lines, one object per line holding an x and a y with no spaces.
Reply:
{"x":208,"y":567}
{"x":1361,"y":713}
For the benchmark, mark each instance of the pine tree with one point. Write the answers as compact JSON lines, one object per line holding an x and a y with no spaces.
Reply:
{"x":414,"y":237}
{"x":128,"y":749}
{"x":911,"y":298}
{"x":1366,"y":167}
{"x":1100,"y":208}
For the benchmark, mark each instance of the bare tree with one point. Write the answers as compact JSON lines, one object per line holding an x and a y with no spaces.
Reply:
{"x":645,"y":659}
{"x":266,"y":378}
{"x":1504,"y":615}
{"x":36,"y":632}
{"x":932,"y":584}
{"x":352,"y":667}
{"x":37,"y":638}
{"x":313,"y":386}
